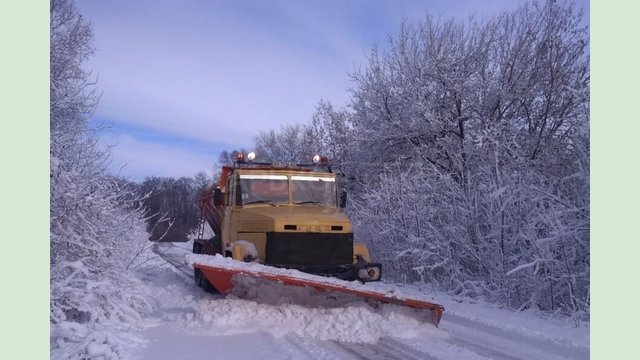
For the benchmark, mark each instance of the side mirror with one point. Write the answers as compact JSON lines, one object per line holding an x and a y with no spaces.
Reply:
{"x":343,"y":199}
{"x":217,"y":197}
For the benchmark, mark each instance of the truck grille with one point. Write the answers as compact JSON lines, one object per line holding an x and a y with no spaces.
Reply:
{"x":309,"y":249}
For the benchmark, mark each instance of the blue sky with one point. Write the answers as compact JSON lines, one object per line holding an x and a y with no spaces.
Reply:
{"x":183,"y":80}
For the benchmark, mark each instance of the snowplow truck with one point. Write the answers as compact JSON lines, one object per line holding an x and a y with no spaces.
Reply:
{"x":283,"y":216}
{"x":285,"y":223}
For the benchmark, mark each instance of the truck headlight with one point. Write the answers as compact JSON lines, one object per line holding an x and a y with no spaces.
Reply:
{"x":369,"y":273}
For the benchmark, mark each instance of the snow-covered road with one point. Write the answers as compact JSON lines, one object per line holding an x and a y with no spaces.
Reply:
{"x":196,"y":325}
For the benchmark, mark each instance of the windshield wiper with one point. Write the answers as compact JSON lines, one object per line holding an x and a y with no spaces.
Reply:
{"x":270,"y":202}
{"x":308,"y":202}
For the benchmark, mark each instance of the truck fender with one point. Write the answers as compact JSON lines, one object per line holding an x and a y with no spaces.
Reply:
{"x":244,"y":250}
{"x":360,"y":253}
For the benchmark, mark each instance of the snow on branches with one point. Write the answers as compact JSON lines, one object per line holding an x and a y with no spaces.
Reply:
{"x":468,"y":156}
{"x":97,"y":233}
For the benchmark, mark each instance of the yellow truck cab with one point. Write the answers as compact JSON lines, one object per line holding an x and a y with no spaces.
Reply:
{"x":288,"y":216}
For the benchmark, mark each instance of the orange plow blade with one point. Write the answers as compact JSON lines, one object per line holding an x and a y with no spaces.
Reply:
{"x":221,"y":277}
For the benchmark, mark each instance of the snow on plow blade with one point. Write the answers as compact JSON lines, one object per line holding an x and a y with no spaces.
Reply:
{"x":220,"y":272}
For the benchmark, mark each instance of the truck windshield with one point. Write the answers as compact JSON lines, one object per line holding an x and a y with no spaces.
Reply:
{"x":262,"y":189}
{"x":313,"y":190}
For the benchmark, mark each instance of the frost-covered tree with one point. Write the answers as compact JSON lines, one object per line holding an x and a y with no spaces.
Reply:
{"x":171,"y":204}
{"x":290,"y":144}
{"x":466,"y":149}
{"x":96,"y":225}
{"x":330,"y":130}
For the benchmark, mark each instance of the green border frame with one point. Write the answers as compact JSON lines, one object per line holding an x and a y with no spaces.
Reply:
{"x":615,"y":136}
{"x":615,"y":195}
{"x":24,"y":110}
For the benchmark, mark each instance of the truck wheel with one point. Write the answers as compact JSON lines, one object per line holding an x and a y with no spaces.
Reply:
{"x":217,"y":244}
{"x":197,"y":277}
{"x":202,"y":282}
{"x":197,"y":248}
{"x":206,"y":285}
{"x":197,"y":274}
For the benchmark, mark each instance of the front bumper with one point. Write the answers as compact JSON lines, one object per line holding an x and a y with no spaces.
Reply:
{"x":363,"y":272}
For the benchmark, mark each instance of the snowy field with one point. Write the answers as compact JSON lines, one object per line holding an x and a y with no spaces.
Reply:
{"x":191,"y":324}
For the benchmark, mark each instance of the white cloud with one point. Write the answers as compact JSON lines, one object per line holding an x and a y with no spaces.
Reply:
{"x":218,"y":81}
{"x":222,"y":71}
{"x":137,"y":159}
{"x":219,"y":72}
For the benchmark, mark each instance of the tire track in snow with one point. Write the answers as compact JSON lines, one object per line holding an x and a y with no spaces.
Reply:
{"x":434,"y":348}
{"x":178,"y":265}
{"x":319,"y":350}
{"x":478,"y":334}
{"x":468,"y":338}
{"x":310,"y":349}
{"x":384,"y":350}
{"x":343,"y":352}
{"x":409,"y":352}
{"x":368,"y":351}
{"x":481,"y":350}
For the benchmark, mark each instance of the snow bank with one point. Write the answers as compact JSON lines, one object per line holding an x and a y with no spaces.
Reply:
{"x":280,"y":311}
{"x":353,"y":323}
{"x":273,"y":319}
{"x":260,"y":305}
{"x":71,"y":340}
{"x":530,"y":324}
{"x":126,"y":301}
